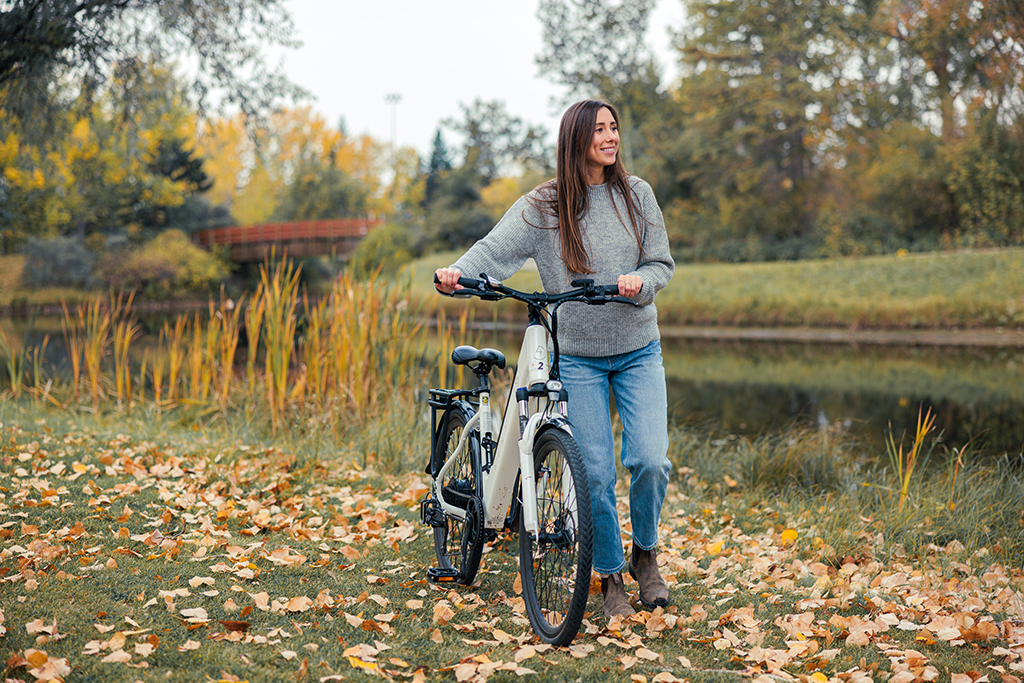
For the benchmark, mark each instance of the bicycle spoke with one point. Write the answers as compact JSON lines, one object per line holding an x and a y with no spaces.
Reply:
{"x":557,"y":578}
{"x":459,"y":545}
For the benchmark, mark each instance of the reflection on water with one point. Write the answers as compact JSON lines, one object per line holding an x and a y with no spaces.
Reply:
{"x":977,"y":394}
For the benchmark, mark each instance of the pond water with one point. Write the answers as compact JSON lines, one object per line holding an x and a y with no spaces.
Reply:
{"x":977,"y":394}
{"x":756,"y":387}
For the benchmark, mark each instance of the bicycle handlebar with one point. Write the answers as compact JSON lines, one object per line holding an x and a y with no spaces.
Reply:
{"x":493,"y":290}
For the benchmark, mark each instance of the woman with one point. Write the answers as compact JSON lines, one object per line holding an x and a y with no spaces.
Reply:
{"x":594,"y":220}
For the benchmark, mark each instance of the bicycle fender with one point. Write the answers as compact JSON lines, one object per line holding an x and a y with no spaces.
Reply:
{"x":554,"y":423}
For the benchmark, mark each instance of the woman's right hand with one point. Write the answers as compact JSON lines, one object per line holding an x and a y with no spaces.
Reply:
{"x":448,"y":280}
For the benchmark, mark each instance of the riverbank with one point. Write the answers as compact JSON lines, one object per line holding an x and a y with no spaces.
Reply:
{"x":997,"y":337}
{"x":947,"y":291}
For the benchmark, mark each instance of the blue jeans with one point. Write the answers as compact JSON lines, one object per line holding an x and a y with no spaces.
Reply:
{"x":637,"y":380}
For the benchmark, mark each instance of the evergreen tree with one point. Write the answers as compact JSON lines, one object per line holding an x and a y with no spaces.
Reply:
{"x":439,"y":164}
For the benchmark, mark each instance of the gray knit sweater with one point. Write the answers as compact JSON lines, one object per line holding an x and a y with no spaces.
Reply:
{"x":585,"y":330}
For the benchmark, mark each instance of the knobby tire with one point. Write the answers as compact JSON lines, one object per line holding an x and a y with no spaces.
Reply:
{"x":555,"y":565}
{"x":459,"y":544}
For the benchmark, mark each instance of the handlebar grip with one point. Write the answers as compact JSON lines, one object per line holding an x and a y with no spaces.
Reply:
{"x":608,"y":290}
{"x":467,"y":282}
{"x":464,"y":281}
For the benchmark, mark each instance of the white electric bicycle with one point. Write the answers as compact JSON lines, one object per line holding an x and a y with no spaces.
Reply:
{"x":530,"y":479}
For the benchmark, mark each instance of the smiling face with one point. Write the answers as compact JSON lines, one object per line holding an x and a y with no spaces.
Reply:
{"x":604,"y":147}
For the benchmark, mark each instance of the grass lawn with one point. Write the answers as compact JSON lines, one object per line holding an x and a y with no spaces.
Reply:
{"x":966,"y":289}
{"x":149,"y":547}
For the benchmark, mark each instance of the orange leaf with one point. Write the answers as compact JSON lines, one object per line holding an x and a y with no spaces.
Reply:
{"x":235,"y":625}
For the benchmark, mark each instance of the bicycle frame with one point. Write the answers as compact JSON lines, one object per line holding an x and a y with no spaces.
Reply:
{"x":513,"y":449}
{"x":537,"y":402}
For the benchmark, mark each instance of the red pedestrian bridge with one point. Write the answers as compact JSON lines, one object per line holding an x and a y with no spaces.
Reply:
{"x":248,"y":243}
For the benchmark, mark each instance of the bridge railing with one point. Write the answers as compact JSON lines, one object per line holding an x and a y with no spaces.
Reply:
{"x":289,"y":231}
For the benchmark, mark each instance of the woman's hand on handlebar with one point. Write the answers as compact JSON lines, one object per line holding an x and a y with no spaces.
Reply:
{"x":629,"y":285}
{"x":446,"y":280}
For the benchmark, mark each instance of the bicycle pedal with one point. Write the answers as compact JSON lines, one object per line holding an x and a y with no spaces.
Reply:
{"x":431,"y":513}
{"x":438,"y":575}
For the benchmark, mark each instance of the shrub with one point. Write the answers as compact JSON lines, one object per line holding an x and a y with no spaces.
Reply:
{"x":987,"y":179}
{"x":60,"y":262}
{"x":388,"y":248}
{"x":167,"y":266}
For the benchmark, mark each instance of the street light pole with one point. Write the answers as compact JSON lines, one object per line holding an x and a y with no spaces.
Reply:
{"x":393,"y":99}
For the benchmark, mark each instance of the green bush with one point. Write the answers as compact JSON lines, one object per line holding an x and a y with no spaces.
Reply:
{"x":59,"y":262}
{"x":167,"y":266}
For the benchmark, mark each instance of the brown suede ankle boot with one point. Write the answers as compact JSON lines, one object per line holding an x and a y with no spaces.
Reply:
{"x":643,"y":566}
{"x":616,"y":602}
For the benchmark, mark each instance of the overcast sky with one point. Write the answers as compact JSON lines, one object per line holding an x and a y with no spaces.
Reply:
{"x":435,"y":54}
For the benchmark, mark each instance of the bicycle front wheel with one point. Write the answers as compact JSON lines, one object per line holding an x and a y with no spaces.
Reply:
{"x":459,"y":544}
{"x":555,"y":564}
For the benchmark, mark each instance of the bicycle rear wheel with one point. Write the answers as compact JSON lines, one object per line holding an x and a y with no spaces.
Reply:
{"x":555,"y":564}
{"x":459,"y":544}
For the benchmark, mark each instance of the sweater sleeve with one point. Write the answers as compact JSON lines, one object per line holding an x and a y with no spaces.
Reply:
{"x":504,"y":250}
{"x":657,"y":265}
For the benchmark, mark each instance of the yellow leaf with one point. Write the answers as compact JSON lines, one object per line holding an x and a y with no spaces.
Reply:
{"x":788,"y":536}
{"x":357,"y":663}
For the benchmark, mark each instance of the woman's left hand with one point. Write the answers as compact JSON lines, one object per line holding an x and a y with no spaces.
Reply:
{"x":629,"y":285}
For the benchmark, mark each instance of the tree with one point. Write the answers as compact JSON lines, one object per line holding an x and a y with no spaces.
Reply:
{"x":987,"y":180}
{"x":596,"y":49}
{"x":765,"y":88}
{"x":957,"y":51}
{"x":301,"y":167}
{"x":455,"y":218}
{"x":42,"y":42}
{"x":111,"y":161}
{"x":439,"y":163}
{"x":320,"y":190}
{"x":497,"y":143}
{"x":890,"y":193}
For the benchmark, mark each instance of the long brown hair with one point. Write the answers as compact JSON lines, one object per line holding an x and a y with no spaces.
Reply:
{"x":567,"y":198}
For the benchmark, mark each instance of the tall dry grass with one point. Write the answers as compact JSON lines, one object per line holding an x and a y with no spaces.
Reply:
{"x":344,"y":360}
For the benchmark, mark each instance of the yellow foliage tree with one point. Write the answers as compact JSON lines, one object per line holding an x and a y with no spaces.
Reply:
{"x":106,"y":165}
{"x":251,"y":176}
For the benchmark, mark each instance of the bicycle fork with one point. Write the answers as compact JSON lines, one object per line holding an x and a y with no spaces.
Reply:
{"x":527,"y":478}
